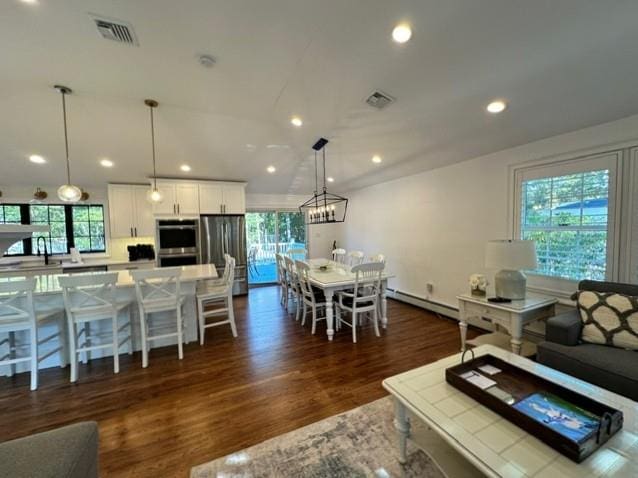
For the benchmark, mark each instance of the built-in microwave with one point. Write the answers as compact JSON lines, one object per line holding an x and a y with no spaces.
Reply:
{"x":178,"y":242}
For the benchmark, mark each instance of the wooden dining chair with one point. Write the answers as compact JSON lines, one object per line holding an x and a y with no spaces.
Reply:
{"x":363,"y":299}
{"x":339,"y":255}
{"x":293,"y":285}
{"x":312,"y":297}
{"x":298,"y":254}
{"x":282,"y":279}
{"x":355,"y":258}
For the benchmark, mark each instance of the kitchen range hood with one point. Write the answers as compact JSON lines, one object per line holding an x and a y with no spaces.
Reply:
{"x":12,"y":233}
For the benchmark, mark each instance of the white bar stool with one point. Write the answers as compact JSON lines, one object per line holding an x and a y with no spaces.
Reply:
{"x":214,"y":294}
{"x":339,"y":255}
{"x":17,"y":312}
{"x":91,"y":298}
{"x":159,"y":291}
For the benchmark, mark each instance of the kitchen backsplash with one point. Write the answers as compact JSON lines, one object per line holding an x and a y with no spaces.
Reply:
{"x":118,"y":246}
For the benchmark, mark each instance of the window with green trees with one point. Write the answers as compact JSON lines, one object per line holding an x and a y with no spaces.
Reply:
{"x":567,"y":217}
{"x":79,"y":226}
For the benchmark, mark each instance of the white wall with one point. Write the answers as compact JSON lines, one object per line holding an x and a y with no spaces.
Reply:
{"x":433,"y":226}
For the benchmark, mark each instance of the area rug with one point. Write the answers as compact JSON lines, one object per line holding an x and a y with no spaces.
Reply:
{"x":355,"y":444}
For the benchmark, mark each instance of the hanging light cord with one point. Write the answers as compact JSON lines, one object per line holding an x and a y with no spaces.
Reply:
{"x":66,"y":138}
{"x":153,"y":146}
{"x":324,"y":169}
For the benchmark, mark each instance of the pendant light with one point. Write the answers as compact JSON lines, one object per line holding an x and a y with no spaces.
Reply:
{"x":324,"y":207}
{"x":153,"y":195}
{"x":67,"y":192}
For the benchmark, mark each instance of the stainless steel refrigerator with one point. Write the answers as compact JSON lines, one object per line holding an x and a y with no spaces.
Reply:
{"x":221,"y":235}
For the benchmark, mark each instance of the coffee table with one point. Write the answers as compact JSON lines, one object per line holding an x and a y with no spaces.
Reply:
{"x":495,"y":446}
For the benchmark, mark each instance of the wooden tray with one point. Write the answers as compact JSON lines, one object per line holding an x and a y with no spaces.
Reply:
{"x":520,"y":384}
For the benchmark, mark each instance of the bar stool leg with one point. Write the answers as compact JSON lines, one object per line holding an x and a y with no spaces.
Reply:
{"x":116,"y":347}
{"x":200,"y":320}
{"x":231,"y":312}
{"x":180,"y":339}
{"x":12,"y":353}
{"x":73,"y":355}
{"x":33,"y":332}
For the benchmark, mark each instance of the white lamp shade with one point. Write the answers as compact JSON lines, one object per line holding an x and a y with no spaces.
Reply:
{"x":510,"y":255}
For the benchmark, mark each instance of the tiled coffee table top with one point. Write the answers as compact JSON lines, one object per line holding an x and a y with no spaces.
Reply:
{"x":498,"y":447}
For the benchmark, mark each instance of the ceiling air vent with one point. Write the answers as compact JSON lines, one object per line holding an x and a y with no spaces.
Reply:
{"x":379,"y":100}
{"x":115,"y":30}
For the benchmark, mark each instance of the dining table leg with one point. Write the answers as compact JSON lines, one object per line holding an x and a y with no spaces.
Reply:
{"x":329,"y":313}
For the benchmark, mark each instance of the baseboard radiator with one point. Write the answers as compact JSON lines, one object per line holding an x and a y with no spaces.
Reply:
{"x":445,"y":310}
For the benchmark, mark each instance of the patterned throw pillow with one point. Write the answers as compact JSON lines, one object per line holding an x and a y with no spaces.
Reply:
{"x":609,"y":319}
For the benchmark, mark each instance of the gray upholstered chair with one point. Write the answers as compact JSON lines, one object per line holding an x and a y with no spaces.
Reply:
{"x":70,"y":452}
{"x":612,"y":368}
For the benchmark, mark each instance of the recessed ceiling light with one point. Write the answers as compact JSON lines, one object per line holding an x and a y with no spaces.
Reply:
{"x":496,"y":106}
{"x":330,"y":179}
{"x":185,"y":167}
{"x":37,"y":159}
{"x":32,"y":2}
{"x":376,"y":159}
{"x":107,"y":163}
{"x":271,"y":169}
{"x":296,"y":121}
{"x":402,"y":33}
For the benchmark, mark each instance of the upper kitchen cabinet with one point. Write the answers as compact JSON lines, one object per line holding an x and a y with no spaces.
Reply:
{"x":179,"y":199}
{"x":222,"y":198}
{"x":130,"y":215}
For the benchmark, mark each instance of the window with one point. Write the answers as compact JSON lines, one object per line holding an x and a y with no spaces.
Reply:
{"x":88,"y":228}
{"x":10,"y":214}
{"x":567,"y":210}
{"x":80,"y":226}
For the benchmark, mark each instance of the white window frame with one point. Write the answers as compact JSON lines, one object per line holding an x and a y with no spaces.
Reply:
{"x":612,"y":161}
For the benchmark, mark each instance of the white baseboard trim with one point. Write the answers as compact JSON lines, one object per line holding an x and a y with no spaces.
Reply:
{"x":443,"y":309}
{"x":424,"y":303}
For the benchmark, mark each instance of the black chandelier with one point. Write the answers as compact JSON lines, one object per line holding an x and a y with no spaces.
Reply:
{"x":324,"y":207}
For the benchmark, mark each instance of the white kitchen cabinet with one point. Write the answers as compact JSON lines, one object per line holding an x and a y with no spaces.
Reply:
{"x":144,"y":225}
{"x":222,"y":198}
{"x":121,"y":210}
{"x":180,"y":199}
{"x":130,"y":214}
{"x":187,"y":199}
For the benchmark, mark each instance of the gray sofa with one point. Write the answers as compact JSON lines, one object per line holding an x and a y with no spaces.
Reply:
{"x":608,"y":367}
{"x":67,"y":452}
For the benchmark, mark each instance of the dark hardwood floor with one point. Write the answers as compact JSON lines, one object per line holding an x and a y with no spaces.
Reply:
{"x":229,"y":394}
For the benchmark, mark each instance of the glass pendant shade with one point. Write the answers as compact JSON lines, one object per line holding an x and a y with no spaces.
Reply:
{"x":69,"y":193}
{"x":154,"y":196}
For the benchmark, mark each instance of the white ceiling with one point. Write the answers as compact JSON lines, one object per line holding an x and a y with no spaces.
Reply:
{"x":561,"y":65}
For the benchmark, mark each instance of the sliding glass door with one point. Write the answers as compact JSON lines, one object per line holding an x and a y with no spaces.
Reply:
{"x":267,"y":233}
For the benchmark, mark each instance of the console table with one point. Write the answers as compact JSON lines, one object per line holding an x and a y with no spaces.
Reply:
{"x":512,"y":316}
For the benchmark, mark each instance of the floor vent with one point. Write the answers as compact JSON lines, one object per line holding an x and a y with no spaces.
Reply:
{"x":379,"y":100}
{"x":115,"y":30}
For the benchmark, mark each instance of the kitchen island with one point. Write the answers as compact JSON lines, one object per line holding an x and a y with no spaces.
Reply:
{"x":48,"y":295}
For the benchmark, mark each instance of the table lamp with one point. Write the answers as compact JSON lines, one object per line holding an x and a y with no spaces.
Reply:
{"x":511,"y":257}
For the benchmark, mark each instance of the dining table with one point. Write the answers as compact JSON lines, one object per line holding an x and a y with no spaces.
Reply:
{"x":332,"y":277}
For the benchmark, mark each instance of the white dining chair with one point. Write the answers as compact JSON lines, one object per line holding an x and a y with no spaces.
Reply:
{"x":215,"y":294}
{"x":158,"y":290}
{"x":363,"y":299}
{"x":293,"y":285}
{"x":339,"y":255}
{"x":89,"y":299}
{"x":282,"y":279}
{"x":355,"y":258}
{"x":16,"y":301}
{"x":312,"y":297}
{"x":377,"y":258}
{"x":298,"y":254}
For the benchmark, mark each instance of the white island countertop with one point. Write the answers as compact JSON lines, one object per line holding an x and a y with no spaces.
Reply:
{"x":48,"y":283}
